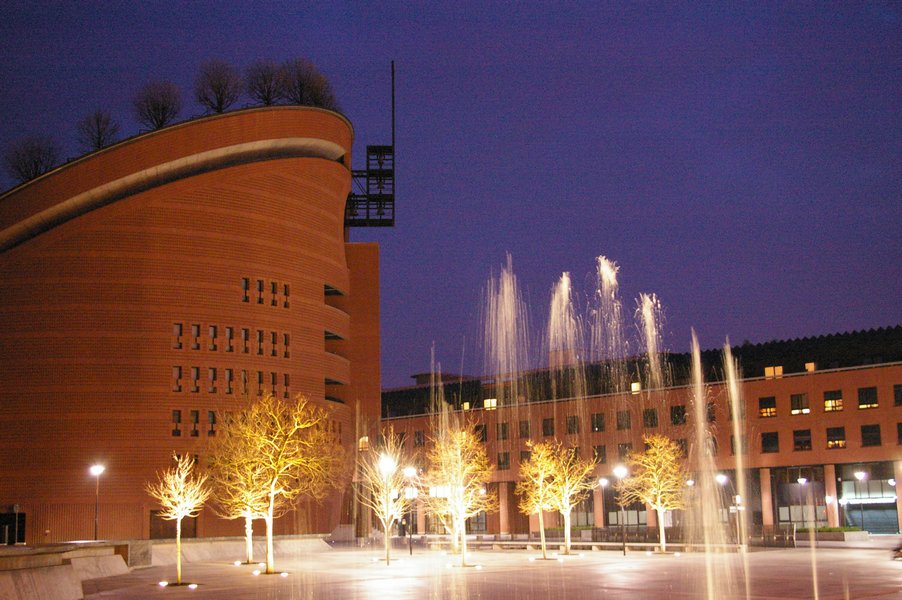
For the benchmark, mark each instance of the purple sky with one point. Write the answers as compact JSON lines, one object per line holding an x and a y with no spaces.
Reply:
{"x":743,"y":162}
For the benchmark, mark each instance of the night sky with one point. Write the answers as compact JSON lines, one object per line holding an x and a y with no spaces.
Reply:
{"x":743,"y":162}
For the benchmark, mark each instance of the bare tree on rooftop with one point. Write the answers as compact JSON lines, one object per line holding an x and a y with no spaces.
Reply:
{"x":181,"y":493}
{"x":302,"y":84}
{"x":264,"y":82}
{"x":157,"y":104}
{"x":218,"y":85}
{"x":30,"y":157}
{"x":97,"y":130}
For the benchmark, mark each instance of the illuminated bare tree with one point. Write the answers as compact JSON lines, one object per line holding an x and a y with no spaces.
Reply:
{"x":572,"y":481}
{"x":218,"y":85}
{"x":658,"y":479}
{"x":239,"y":487}
{"x":264,"y":82}
{"x":536,"y":485}
{"x":302,"y":84}
{"x":30,"y":157}
{"x":458,"y":470}
{"x":383,"y":485}
{"x":181,"y":493}
{"x":97,"y":130}
{"x":295,"y":451}
{"x":157,"y":104}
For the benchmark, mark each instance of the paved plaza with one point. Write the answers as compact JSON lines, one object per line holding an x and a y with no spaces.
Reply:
{"x":360,"y":574}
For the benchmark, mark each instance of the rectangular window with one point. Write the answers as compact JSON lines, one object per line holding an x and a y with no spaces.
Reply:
{"x":798,"y":404}
{"x":524,"y":430}
{"x":195,"y":418}
{"x":897,"y":394}
{"x":767,"y":407}
{"x":623,"y":451}
{"x":259,"y":291}
{"x":177,"y":336}
{"x":274,"y":288}
{"x":547,"y":427}
{"x":211,"y":376}
{"x":259,"y":383}
{"x":525,"y":455}
{"x":833,"y":401}
{"x":650,"y":418}
{"x":770,"y":442}
{"x":214,"y":334}
{"x":572,"y":424}
{"x":745,"y":444}
{"x":899,"y":433}
{"x":684,"y":446}
{"x":195,"y":379}
{"x":230,"y":381}
{"x":836,"y":437}
{"x":801,"y":440}
{"x":246,"y":288}
{"x":260,"y":342}
{"x":176,"y":420}
{"x":712,"y":412}
{"x":285,"y":387}
{"x":195,"y":336}
{"x":211,"y":419}
{"x":597,"y":421}
{"x":600,"y":454}
{"x":481,"y":432}
{"x":285,"y":296}
{"x":501,"y":431}
{"x":740,"y":408}
{"x":286,"y":342}
{"x":504,"y":461}
{"x":176,"y":379}
{"x":867,"y":397}
{"x":273,"y":383}
{"x":678,"y":414}
{"x":623,"y":420}
{"x":230,"y":339}
{"x":246,"y":340}
{"x":419,"y":438}
{"x":244,"y":382}
{"x":274,"y":340}
{"x":870,"y":435}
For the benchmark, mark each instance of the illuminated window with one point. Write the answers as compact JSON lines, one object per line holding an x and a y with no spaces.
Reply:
{"x":363,"y":444}
{"x":798,"y":404}
{"x":177,"y":336}
{"x":870,"y":435}
{"x":501,"y":431}
{"x":597,"y":421}
{"x":176,"y":379}
{"x":867,"y":397}
{"x":775,"y":372}
{"x":810,"y":367}
{"x":801,"y":440}
{"x":767,"y":406}
{"x":572,"y":424}
{"x":635,"y":387}
{"x":770,"y":442}
{"x":833,"y":401}
{"x":600,"y":454}
{"x":678,"y":414}
{"x":490,"y":403}
{"x":650,"y":418}
{"x":547,"y":427}
{"x":524,"y":430}
{"x":623,"y":419}
{"x":836,"y":437}
{"x":504,"y":461}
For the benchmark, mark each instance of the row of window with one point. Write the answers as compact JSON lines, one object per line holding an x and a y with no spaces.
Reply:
{"x":226,"y":378}
{"x":836,"y":438}
{"x":194,"y":421}
{"x":599,"y":455}
{"x":278,"y":293}
{"x":833,"y":401}
{"x":272,"y":344}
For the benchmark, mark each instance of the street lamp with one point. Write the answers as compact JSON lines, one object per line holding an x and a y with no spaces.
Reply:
{"x":411,"y":493}
{"x":620,"y":472}
{"x":860,"y":476}
{"x":96,"y":470}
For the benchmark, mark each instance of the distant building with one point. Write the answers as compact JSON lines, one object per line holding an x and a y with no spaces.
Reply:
{"x":818,"y":411}
{"x":148,"y":286}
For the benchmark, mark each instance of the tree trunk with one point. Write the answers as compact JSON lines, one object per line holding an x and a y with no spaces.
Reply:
{"x":542,"y":533}
{"x":178,"y":551}
{"x":249,"y":538}
{"x":661,"y":530}
{"x":566,"y":531}
{"x":270,"y":560}
{"x":462,"y":528}
{"x":386,"y":528}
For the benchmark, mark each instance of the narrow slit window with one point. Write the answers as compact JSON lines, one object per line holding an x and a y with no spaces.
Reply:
{"x":177,"y":336}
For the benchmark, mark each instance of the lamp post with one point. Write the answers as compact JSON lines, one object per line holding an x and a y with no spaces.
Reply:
{"x":860,"y":476}
{"x":96,"y":471}
{"x":387,"y":466}
{"x":620,"y":472}
{"x":411,"y":493}
{"x":735,"y":499}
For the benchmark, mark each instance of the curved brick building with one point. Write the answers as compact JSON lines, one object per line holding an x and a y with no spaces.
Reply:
{"x":149,"y":285}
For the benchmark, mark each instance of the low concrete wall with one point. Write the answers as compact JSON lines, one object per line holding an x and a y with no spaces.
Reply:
{"x":40,"y":583}
{"x":232,"y":549}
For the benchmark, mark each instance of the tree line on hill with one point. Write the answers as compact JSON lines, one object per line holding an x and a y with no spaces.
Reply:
{"x":217,"y":87}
